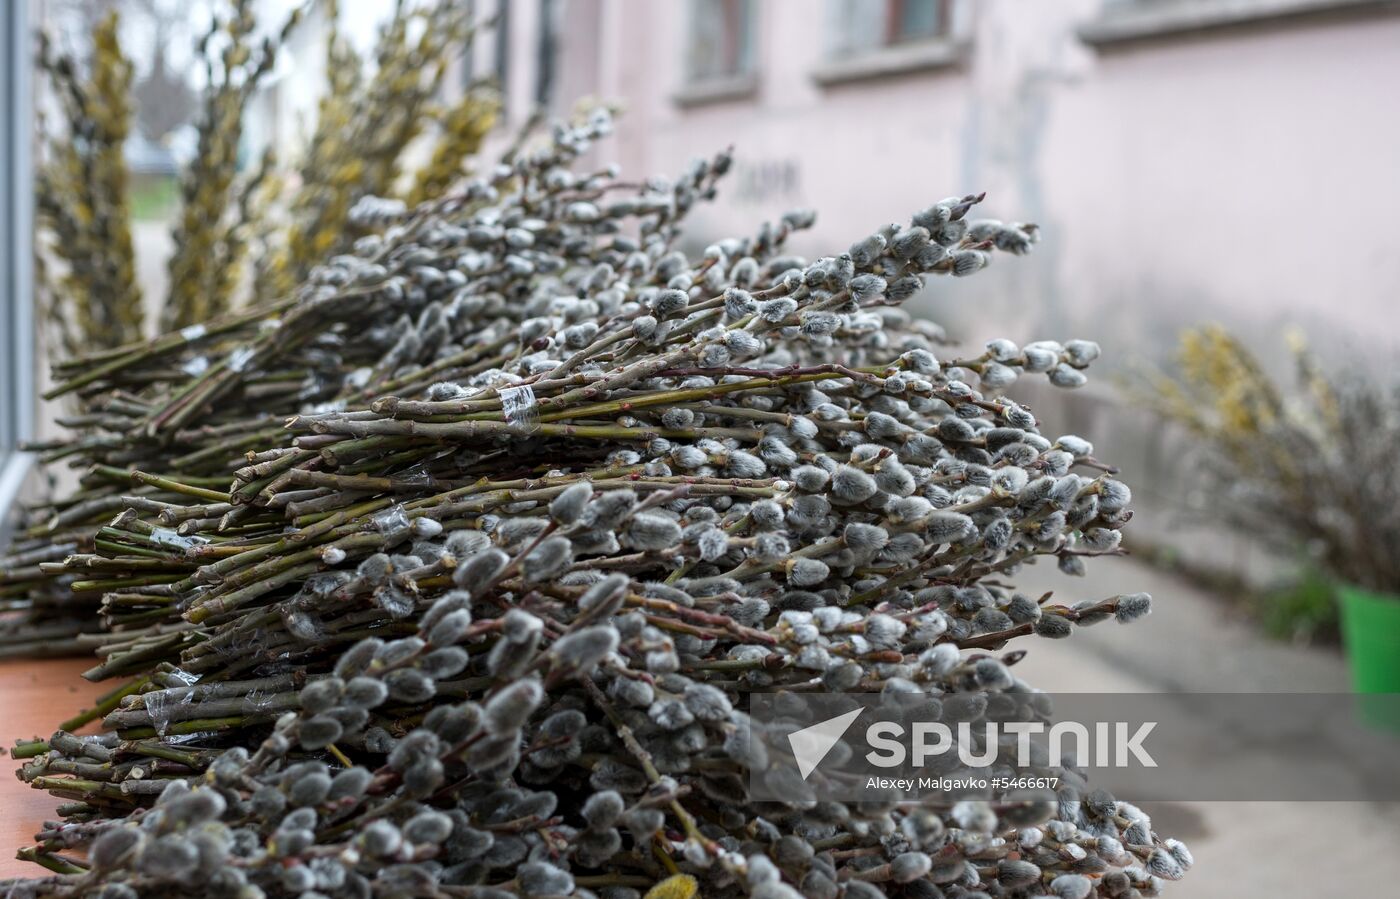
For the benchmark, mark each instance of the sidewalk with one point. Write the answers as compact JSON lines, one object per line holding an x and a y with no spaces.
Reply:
{"x":1192,"y":643}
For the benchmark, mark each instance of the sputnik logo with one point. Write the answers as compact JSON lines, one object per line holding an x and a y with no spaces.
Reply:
{"x":811,"y":744}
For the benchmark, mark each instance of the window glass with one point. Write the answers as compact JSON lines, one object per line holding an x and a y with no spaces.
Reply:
{"x":910,"y":20}
{"x":856,"y":26}
{"x":721,"y":39}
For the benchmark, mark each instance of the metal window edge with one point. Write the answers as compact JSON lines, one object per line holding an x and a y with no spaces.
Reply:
{"x":16,"y":280}
{"x":14,"y":472}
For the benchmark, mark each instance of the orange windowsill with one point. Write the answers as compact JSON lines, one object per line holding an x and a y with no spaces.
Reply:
{"x":34,"y":697}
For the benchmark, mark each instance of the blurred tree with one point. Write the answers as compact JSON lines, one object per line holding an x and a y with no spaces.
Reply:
{"x":162,"y":92}
{"x":81,"y":197}
{"x":164,"y":98}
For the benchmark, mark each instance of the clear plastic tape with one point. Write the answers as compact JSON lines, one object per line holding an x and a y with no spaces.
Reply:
{"x":391,"y":519}
{"x":418,"y":474}
{"x":158,"y":706}
{"x":248,"y":643}
{"x":161,"y":704}
{"x":239,"y":358}
{"x":193,"y":333}
{"x":167,"y":537}
{"x":359,"y":377}
{"x":522,"y":412}
{"x":195,"y":366}
{"x":312,"y":385}
{"x":256,"y":700}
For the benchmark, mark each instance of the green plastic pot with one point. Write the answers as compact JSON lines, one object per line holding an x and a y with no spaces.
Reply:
{"x":1371,"y":630}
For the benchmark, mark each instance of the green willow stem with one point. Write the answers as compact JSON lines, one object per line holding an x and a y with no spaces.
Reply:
{"x":57,"y":864}
{"x":28,"y":749}
{"x":105,"y":703}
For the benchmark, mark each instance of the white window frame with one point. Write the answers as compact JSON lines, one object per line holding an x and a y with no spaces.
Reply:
{"x":17,"y":383}
{"x":849,"y":62}
{"x":697,"y":88}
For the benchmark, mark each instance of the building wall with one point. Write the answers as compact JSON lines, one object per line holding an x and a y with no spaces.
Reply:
{"x":1241,"y":174}
{"x":1245,"y":175}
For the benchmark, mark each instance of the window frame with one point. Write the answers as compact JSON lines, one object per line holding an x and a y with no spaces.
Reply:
{"x":17,"y":382}
{"x":501,"y":63}
{"x":891,"y":56}
{"x":700,"y":88}
{"x":741,"y":15}
{"x":546,"y":51}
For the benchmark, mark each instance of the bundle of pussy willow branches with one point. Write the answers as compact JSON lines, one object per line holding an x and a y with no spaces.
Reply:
{"x":481,"y":618}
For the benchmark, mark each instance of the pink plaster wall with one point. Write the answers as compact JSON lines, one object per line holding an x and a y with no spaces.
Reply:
{"x":1248,"y":176}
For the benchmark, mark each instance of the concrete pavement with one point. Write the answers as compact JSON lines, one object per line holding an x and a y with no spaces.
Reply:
{"x":1193,"y":643}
